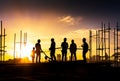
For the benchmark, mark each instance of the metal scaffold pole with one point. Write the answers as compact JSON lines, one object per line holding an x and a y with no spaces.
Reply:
{"x":116,"y":43}
{"x":21,"y":42}
{"x":102,"y":43}
{"x":90,"y":43}
{"x":14,"y":56}
{"x":2,"y":44}
{"x":109,"y":40}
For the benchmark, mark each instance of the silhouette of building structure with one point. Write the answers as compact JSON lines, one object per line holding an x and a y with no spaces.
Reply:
{"x":21,"y":42}
{"x":2,"y":44}
{"x":102,"y":38}
{"x":103,"y":41}
{"x":116,"y":42}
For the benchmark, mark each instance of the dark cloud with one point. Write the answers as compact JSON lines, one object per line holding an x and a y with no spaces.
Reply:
{"x":95,"y":9}
{"x":68,"y":6}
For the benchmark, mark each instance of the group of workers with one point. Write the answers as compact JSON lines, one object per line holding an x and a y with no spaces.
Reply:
{"x":64,"y":46}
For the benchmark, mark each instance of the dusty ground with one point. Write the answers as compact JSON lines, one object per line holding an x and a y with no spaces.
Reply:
{"x":69,"y":71}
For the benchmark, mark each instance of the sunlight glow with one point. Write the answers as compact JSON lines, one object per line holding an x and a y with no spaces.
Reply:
{"x":44,"y":28}
{"x":25,"y":51}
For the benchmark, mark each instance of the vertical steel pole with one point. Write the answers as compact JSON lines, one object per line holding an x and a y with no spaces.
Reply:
{"x":14,"y":55}
{"x":1,"y":42}
{"x":90,"y":43}
{"x":20,"y":43}
{"x":104,"y":29}
{"x":109,"y":40}
{"x":4,"y":47}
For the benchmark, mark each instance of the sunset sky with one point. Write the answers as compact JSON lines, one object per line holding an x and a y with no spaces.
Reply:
{"x":44,"y":19}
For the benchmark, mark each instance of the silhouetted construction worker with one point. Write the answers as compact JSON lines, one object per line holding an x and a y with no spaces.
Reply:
{"x":85,"y":49}
{"x":52,"y":49}
{"x":38,"y":51}
{"x":33,"y":54}
{"x":64,"y":46}
{"x":73,"y":49}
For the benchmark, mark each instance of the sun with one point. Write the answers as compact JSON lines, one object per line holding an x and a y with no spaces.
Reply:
{"x":26,"y":51}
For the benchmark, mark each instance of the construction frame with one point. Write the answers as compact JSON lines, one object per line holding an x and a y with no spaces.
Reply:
{"x":2,"y":43}
{"x":102,"y":38}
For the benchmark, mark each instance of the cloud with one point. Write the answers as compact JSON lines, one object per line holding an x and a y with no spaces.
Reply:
{"x":67,"y":19}
{"x":70,"y":20}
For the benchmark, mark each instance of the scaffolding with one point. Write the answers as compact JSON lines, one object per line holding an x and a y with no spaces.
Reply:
{"x":116,"y":43}
{"x":2,"y":44}
{"x":21,"y":42}
{"x":90,"y":43}
{"x":91,"y":36}
{"x":102,"y":43}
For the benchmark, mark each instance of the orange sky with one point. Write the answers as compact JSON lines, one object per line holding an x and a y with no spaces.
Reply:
{"x":45,"y":28}
{"x":72,"y":20}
